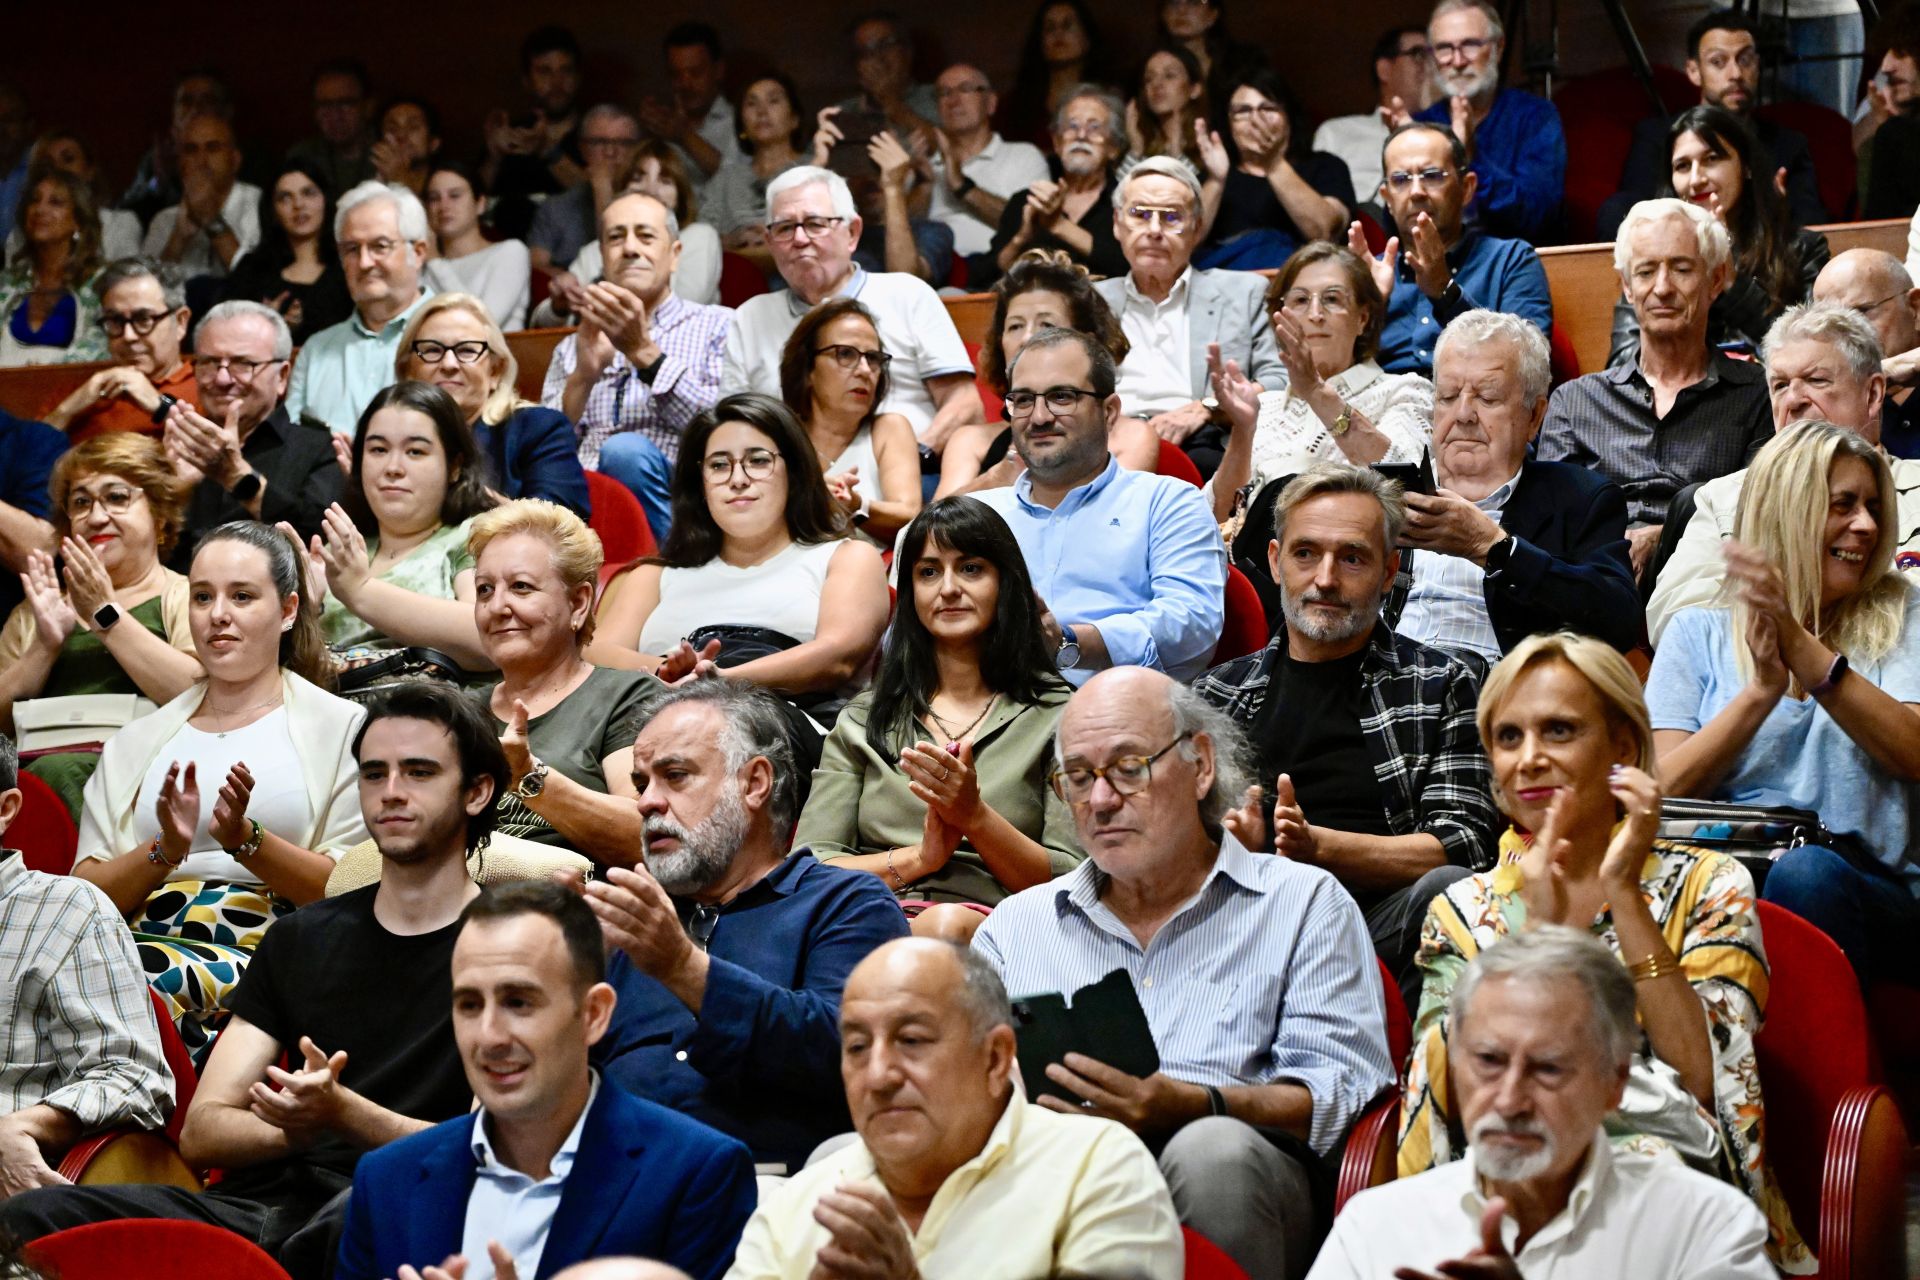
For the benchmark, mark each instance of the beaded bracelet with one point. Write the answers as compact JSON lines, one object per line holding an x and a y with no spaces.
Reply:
{"x":158,"y":858}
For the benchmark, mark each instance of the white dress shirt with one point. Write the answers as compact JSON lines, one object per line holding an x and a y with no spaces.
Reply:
{"x":1157,"y":374}
{"x":508,"y":1206}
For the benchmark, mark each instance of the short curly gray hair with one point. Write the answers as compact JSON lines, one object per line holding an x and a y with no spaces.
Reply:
{"x":1842,"y":328}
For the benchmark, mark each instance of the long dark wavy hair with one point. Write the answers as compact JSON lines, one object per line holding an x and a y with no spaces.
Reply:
{"x":1013,"y":654}
{"x":303,"y":646}
{"x":1759,"y":224}
{"x":1027,"y":106}
{"x":812,"y":514}
{"x":797,"y":358}
{"x":466,"y":495}
{"x":274,"y":248}
{"x":1049,"y":271}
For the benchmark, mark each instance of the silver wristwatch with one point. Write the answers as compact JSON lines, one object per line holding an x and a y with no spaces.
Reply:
{"x":533,"y":782}
{"x":1067,"y":656}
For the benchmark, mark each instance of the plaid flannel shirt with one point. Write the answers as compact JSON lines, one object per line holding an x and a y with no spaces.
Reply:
{"x":1421,"y":732}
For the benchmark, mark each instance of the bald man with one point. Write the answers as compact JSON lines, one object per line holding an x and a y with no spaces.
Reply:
{"x":927,"y":1057}
{"x":1877,"y":285}
{"x":622,"y":1269}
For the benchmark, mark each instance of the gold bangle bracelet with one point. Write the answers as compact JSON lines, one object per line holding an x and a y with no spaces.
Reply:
{"x":1654,"y":966}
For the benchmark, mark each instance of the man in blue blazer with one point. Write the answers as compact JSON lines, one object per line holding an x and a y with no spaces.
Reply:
{"x":557,"y":1165}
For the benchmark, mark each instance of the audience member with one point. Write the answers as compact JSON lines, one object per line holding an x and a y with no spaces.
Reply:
{"x":566,"y":725}
{"x":453,"y":343}
{"x":732,"y":952}
{"x":1875,"y":284}
{"x":1363,"y":738}
{"x":883,"y":64}
{"x":893,"y":237}
{"x":1130,"y":565}
{"x":343,"y":107}
{"x":976,"y":172}
{"x":1169,"y":106}
{"x":498,"y":272}
{"x":657,"y":171}
{"x":772,"y":131}
{"x":1548,"y":1021}
{"x":1885,"y":133}
{"x":644,"y":362}
{"x":1436,"y":268}
{"x":833,"y":375}
{"x":116,"y":512}
{"x":296,"y":268}
{"x":218,"y":217}
{"x":1723,"y":62}
{"x":927,"y":1054}
{"x":812,"y":228}
{"x":935,"y":779}
{"x":244,"y":457}
{"x":48,"y":302}
{"x":1513,"y":139}
{"x":698,"y":120}
{"x":537,"y":151}
{"x":1802,"y":691}
{"x":1823,"y":363}
{"x":28,"y":451}
{"x":1680,"y":411}
{"x":394,"y":548}
{"x":227,"y":807}
{"x":1514,"y":545}
{"x":1716,"y":167}
{"x":382,"y":234}
{"x":16,"y":131}
{"x":556,"y":1164}
{"x":1071,"y":213}
{"x":354,"y":992}
{"x":1064,"y":50}
{"x":757,"y":569}
{"x":1402,"y":67}
{"x":1174,"y":313}
{"x":120,"y":229}
{"x":143,"y":311}
{"x":1270,"y":192}
{"x":408,"y":148}
{"x":82,"y":1053}
{"x":156,"y":178}
{"x":1335,"y":403}
{"x":609,"y":136}
{"x":1200,"y":29}
{"x":1573,"y":758}
{"x":1244,"y":1107}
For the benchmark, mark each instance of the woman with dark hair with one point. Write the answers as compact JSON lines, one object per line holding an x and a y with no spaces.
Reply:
{"x":772,"y":133}
{"x":833,"y":375}
{"x":394,"y":548}
{"x":228,"y":806}
{"x":499,"y":273}
{"x":1064,"y":48}
{"x":1717,"y":165}
{"x":120,"y":229}
{"x":1044,"y":289}
{"x":758,"y":548}
{"x":1169,"y":106}
{"x":49,"y":310}
{"x":1275,"y":192}
{"x":936,"y":779}
{"x":1200,"y":27}
{"x":295,"y":268}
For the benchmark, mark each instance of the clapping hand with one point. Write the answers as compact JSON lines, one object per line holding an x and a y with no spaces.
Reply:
{"x":681,"y":664}
{"x":1302,"y":374}
{"x":88,"y":584}
{"x":1384,"y":266}
{"x":1214,"y":161}
{"x":844,"y":487}
{"x":178,"y":809}
{"x":1237,"y":394}
{"x":309,"y":1098}
{"x":54,"y":617}
{"x":866,"y":1238}
{"x":894,"y":161}
{"x":1461,"y":109}
{"x":1490,"y":1261}
{"x":455,"y":1267}
{"x":229,"y":826}
{"x":1427,"y":256}
{"x":1248,"y":823}
{"x":944,"y":781}
{"x":1543,"y":865}
{"x":1639,"y":797}
{"x":514,"y":744}
{"x":313,"y":585}
{"x":1395,"y":113}
{"x":1292,"y":834}
{"x":343,"y":549}
{"x":618,"y":312}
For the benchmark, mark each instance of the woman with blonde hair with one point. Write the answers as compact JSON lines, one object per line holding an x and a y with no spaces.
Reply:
{"x":566,"y":725}
{"x":454,"y":343}
{"x":1803,"y":689}
{"x":1572,"y":753}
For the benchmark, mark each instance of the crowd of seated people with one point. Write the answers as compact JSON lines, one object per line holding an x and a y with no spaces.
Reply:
{"x":956,"y":842}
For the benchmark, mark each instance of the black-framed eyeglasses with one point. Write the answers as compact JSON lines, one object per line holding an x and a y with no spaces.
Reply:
{"x":1466,"y":50}
{"x":847,"y":357}
{"x":1129,"y":775}
{"x":239,"y":368}
{"x":469,"y":352}
{"x":758,"y":464}
{"x":815,"y":226}
{"x":115,"y":500}
{"x":1401,"y":179}
{"x":1418,"y":52}
{"x":141,"y":322}
{"x":1061,"y":400}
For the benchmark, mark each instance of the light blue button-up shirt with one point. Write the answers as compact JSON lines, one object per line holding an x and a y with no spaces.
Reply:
{"x":344,"y":366}
{"x":508,"y":1206}
{"x":1137,"y":555}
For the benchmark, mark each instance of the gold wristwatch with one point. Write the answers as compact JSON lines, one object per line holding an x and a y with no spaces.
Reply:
{"x":1344,"y":421}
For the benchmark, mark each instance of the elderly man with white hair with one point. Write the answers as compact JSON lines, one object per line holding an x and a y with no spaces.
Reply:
{"x":812,"y":228}
{"x":1682,"y":411}
{"x":1877,"y":285}
{"x":1822,"y":361}
{"x":381,"y":231}
{"x":1509,"y":545}
{"x":1543,"y":1030}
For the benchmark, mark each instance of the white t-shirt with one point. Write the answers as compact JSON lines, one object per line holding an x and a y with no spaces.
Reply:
{"x":1000,"y":169}
{"x":279,"y":802}
{"x":241,"y":212}
{"x":781,"y":593}
{"x":914,"y":328}
{"x":1357,"y":140}
{"x":501,"y":275}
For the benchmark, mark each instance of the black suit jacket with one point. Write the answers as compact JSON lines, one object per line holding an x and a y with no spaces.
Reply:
{"x":295,"y":459}
{"x":1569,"y":566}
{"x":1647,"y":171}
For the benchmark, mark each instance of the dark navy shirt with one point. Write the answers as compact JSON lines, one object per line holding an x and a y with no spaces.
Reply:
{"x":28,"y":451}
{"x":534,"y":454}
{"x":1520,"y":153}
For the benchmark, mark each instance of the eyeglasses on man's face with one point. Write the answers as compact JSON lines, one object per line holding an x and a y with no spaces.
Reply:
{"x":1060,"y":400}
{"x":756,"y":464}
{"x":1173,"y":221}
{"x":1461,"y":51}
{"x":1403,"y":179}
{"x":814,"y":225}
{"x":141,"y":322}
{"x":239,"y":368}
{"x":1128,"y":775}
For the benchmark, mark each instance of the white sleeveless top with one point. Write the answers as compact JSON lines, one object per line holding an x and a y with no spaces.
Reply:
{"x":858,"y":453}
{"x":781,"y":593}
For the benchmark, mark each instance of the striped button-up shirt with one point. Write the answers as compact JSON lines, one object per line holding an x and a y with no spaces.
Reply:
{"x":1265,"y":977}
{"x":692,"y":337}
{"x":76,"y":1021}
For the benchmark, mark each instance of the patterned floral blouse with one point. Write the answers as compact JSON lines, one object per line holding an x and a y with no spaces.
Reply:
{"x":1703,"y":904}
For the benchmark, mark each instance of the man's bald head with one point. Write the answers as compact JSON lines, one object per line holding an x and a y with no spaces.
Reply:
{"x":622,"y":1269}
{"x":1875,"y":284}
{"x":939,"y":970}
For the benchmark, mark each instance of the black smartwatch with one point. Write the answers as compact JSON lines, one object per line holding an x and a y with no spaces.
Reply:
{"x":1499,"y":554}
{"x":248,"y":486}
{"x":965,"y":188}
{"x":105,"y":617}
{"x":164,"y":408}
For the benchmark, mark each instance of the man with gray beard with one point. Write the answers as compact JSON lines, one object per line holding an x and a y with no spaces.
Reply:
{"x":1542,"y":1032}
{"x":1072,"y":213}
{"x":1369,"y":761}
{"x":729,"y":953}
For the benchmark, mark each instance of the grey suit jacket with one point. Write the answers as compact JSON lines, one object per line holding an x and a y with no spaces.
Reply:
{"x":1227,"y":307}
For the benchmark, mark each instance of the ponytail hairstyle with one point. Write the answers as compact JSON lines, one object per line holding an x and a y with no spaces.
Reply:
{"x":303,"y":646}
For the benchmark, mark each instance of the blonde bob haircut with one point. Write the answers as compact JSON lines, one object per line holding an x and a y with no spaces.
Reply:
{"x":1602,"y":666}
{"x":577,"y":555}
{"x":506,"y":370}
{"x":1783,"y":512}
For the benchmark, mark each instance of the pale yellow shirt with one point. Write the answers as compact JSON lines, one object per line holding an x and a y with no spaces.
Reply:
{"x":1048,"y":1193}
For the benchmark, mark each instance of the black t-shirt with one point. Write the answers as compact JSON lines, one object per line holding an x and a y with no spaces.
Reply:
{"x":1308,"y":727}
{"x":331,"y":971}
{"x":1248,"y":203}
{"x":1105,"y":259}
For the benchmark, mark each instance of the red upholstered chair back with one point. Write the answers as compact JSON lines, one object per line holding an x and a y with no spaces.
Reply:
{"x":44,"y":832}
{"x":152,"y":1249}
{"x":1245,"y":628}
{"x":617,"y":516}
{"x":185,"y":1079}
{"x":1566,"y":361}
{"x":739,"y":280}
{"x":1175,"y":462}
{"x":1207,"y":1260}
{"x":989,"y":398}
{"x":1598,"y":113}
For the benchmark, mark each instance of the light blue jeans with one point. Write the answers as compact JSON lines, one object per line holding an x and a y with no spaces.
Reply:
{"x":637,"y":463}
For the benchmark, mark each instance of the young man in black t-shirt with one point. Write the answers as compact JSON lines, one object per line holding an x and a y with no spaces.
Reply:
{"x":353,"y":993}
